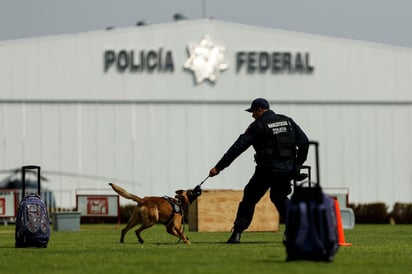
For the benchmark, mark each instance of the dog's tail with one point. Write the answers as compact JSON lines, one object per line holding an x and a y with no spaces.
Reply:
{"x":122,"y":192}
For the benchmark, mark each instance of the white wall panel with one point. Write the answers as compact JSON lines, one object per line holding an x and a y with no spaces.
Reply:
{"x":3,"y":144}
{"x":50,"y":132}
{"x":88,"y":160}
{"x":106,"y":140}
{"x":67,"y":155}
{"x":124,"y":143}
{"x":13,"y":135}
{"x":31,"y":133}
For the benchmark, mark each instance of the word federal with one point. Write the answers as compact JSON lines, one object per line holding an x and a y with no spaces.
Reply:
{"x":274,"y":62}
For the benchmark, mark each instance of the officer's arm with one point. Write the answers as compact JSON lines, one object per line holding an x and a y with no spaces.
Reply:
{"x":243,"y":142}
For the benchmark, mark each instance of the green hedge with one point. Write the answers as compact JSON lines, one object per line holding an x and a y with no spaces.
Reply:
{"x":377,"y":213}
{"x":126,"y":212}
{"x":374,"y":213}
{"x":401,"y":213}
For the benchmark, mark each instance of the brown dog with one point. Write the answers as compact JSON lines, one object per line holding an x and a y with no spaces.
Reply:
{"x":152,"y":210}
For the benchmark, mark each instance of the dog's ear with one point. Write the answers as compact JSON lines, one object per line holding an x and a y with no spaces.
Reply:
{"x":179,"y":192}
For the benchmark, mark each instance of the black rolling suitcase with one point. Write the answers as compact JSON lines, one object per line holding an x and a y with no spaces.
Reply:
{"x":311,"y":229}
{"x":32,"y":223}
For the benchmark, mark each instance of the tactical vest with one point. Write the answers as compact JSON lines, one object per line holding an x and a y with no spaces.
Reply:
{"x":278,"y":141}
{"x":177,"y":208}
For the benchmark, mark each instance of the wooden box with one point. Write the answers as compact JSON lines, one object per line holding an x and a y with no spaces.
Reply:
{"x":215,"y":210}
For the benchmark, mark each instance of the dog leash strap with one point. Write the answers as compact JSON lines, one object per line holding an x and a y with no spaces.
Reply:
{"x":205,"y":179}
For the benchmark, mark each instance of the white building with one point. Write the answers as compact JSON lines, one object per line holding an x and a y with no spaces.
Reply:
{"x":149,"y":106}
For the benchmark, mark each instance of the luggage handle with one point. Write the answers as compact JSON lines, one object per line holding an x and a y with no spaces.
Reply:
{"x":316,"y":144}
{"x":23,"y":172}
{"x":303,"y":176}
{"x":299,"y":168}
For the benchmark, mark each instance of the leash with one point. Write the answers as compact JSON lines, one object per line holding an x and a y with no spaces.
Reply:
{"x":201,"y":183}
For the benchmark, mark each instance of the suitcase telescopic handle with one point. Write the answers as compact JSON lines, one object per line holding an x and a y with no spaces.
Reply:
{"x":316,"y":144}
{"x":23,"y":172}
{"x":303,"y":176}
{"x":308,"y":168}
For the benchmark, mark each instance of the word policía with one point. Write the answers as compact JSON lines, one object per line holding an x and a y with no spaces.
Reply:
{"x":140,"y":61}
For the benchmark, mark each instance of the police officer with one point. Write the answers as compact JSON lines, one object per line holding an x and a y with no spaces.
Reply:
{"x":280,"y":145}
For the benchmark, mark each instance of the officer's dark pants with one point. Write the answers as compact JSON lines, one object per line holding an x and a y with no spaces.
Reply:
{"x":261,"y":181}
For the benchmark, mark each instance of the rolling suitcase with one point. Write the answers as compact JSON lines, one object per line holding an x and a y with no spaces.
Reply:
{"x":32,"y":223}
{"x":311,"y":229}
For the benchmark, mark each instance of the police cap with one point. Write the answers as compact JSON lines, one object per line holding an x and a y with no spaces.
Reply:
{"x":258,"y":103}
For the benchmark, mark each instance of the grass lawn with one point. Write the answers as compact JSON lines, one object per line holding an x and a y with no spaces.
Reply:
{"x":95,"y":249}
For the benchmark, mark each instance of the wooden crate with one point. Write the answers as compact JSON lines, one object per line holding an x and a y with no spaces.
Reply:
{"x":215,"y":210}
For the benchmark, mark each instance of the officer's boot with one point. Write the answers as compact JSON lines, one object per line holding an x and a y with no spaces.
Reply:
{"x":239,"y":225}
{"x":234,"y":238}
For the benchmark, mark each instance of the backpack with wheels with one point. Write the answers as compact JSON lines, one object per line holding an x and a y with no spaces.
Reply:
{"x":32,"y":223}
{"x":311,"y":227}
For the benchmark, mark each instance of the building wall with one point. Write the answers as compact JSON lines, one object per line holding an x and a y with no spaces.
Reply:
{"x":154,"y":132}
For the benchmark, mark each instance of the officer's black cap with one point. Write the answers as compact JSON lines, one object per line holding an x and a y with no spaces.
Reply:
{"x":258,"y":103}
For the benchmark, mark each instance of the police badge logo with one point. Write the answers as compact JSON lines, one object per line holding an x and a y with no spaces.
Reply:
{"x":206,"y":60}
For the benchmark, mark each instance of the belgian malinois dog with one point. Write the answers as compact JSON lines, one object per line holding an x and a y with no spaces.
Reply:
{"x":165,"y":210}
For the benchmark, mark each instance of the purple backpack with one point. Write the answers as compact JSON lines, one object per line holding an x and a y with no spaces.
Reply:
{"x":32,"y":223}
{"x":311,"y":227}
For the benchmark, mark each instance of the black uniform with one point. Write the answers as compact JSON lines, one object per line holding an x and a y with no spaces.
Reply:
{"x":280,"y":144}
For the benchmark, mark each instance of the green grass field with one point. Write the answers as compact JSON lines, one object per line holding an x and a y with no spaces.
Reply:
{"x":95,"y":249}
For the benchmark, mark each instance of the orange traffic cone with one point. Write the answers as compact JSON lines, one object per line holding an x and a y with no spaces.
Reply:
{"x":341,"y":234}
